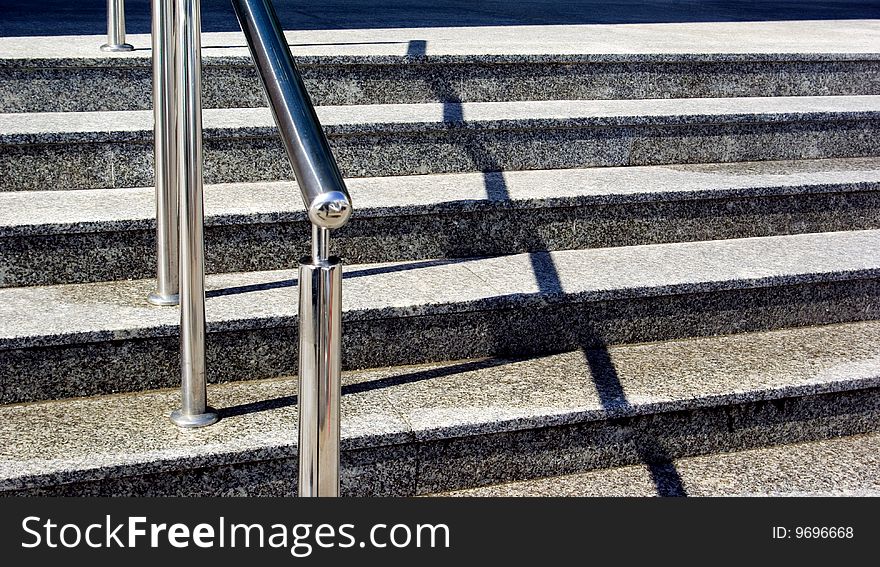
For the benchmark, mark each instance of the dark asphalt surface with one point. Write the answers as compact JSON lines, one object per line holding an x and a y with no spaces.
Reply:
{"x":85,"y":17}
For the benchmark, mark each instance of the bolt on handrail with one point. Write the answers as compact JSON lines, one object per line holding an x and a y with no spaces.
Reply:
{"x":320,"y":275}
{"x":116,"y":27}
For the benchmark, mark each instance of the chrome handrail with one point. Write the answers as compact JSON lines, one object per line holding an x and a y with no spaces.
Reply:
{"x":116,"y":27}
{"x":314,"y":166}
{"x":320,"y":275}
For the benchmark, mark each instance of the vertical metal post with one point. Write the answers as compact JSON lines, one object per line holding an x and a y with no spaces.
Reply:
{"x":194,"y":411}
{"x":165,"y":154}
{"x":116,"y":27}
{"x":320,"y":368}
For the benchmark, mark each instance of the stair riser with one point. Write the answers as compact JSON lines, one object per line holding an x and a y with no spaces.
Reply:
{"x":431,"y":466}
{"x":56,"y":372}
{"x":129,"y":164}
{"x":653,"y":440}
{"x":34,"y":89}
{"x":494,"y":230}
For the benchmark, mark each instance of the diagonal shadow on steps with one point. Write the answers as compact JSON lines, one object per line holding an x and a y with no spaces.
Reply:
{"x":481,"y":156}
{"x":603,"y":373}
{"x":611,"y":393}
{"x":347,"y":274}
{"x":416,"y":48}
{"x":613,"y":399}
{"x":388,"y":382}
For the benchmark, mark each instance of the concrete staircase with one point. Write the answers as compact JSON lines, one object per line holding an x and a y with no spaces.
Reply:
{"x":571,"y":259}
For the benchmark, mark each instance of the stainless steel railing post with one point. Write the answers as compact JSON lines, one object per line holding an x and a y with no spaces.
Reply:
{"x":194,"y":411}
{"x":116,"y":27}
{"x":165,"y":154}
{"x":320,"y":368}
{"x":328,"y":206}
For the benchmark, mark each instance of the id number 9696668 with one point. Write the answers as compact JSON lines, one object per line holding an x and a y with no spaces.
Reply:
{"x":813,"y":532}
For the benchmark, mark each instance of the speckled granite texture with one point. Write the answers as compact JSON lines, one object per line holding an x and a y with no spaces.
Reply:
{"x":110,"y":255}
{"x":242,"y":301}
{"x":57,"y":237}
{"x":413,"y":430}
{"x":66,"y":212}
{"x":842,"y":466}
{"x":136,"y":126}
{"x":653,"y":439}
{"x":98,"y":150}
{"x":32,"y":88}
{"x":437,"y":310}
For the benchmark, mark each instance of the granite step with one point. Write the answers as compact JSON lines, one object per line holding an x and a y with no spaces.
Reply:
{"x":232,"y":82}
{"x":53,"y":237}
{"x":463,"y":424}
{"x":81,"y":150}
{"x":392,"y":66}
{"x":841,"y":466}
{"x":85,"y":339}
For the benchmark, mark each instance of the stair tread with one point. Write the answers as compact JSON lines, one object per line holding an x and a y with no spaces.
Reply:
{"x":76,"y":313}
{"x":644,"y":41}
{"x":137,"y":125}
{"x":123,"y":434}
{"x":841,"y":466}
{"x":97,"y":210}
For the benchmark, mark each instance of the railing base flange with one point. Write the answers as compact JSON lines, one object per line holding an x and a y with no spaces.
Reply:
{"x":117,"y":48}
{"x":156,"y":298}
{"x":181,"y":419}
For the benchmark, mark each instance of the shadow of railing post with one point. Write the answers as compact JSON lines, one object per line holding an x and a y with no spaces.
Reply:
{"x":649,"y":449}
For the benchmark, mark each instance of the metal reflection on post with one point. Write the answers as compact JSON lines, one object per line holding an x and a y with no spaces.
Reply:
{"x":320,"y":364}
{"x":165,"y":153}
{"x":116,"y":27}
{"x":194,"y":411}
{"x":329,"y":206}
